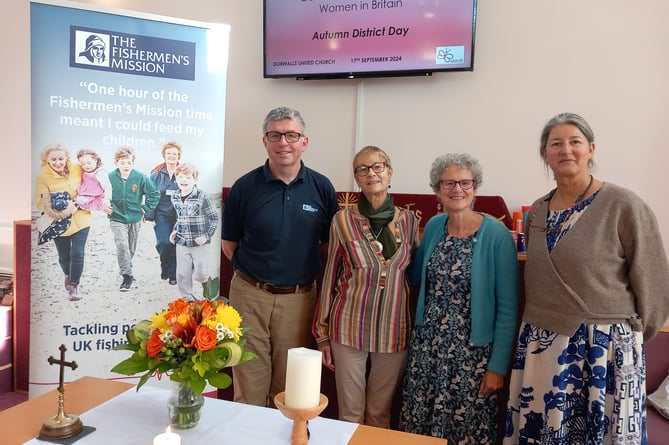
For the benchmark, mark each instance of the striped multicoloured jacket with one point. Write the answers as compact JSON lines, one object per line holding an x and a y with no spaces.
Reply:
{"x":364,"y":301}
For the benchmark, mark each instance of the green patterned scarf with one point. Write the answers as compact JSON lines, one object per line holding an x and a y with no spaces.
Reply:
{"x":379,"y":219}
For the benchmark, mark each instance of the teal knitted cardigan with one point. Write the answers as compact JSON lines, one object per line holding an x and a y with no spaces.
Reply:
{"x":494,"y":285}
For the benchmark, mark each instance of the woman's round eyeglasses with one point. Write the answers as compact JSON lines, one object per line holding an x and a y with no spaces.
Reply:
{"x":449,"y":184}
{"x":363,"y":170}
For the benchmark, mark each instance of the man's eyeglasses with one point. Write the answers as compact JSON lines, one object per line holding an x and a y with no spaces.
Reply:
{"x":449,"y":184}
{"x":363,"y":170}
{"x":275,"y":136}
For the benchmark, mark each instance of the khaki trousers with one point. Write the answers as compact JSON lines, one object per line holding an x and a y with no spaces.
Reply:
{"x":366,"y":400}
{"x":276,"y":323}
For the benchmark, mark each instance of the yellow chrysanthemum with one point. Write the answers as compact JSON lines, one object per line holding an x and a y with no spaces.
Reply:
{"x":158,"y":322}
{"x":229,"y":317}
{"x":210,"y":322}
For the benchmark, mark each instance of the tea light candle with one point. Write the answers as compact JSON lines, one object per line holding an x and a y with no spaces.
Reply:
{"x":303,"y":378}
{"x":167,"y":438}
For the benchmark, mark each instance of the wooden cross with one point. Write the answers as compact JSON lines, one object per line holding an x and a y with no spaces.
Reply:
{"x":62,"y":364}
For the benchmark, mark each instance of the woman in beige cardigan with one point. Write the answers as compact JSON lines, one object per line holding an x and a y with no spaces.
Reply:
{"x":596,"y":285}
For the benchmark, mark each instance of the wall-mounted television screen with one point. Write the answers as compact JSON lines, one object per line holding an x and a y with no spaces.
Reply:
{"x":326,"y":39}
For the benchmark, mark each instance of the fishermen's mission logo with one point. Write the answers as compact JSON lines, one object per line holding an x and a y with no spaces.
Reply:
{"x":131,"y":54}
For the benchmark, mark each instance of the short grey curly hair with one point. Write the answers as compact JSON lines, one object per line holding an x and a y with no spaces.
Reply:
{"x":461,"y":160}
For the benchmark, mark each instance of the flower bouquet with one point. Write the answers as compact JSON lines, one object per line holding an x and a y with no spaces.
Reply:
{"x":193,"y":341}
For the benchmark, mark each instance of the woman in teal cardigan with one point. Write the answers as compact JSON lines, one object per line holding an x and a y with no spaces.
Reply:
{"x":465,"y":324}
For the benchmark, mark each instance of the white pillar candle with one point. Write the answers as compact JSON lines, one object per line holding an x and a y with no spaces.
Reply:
{"x":167,"y":438}
{"x":303,"y":378}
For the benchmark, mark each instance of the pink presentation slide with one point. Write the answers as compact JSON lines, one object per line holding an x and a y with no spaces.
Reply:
{"x":330,"y":36}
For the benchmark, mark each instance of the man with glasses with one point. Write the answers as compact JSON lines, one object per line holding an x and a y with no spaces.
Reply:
{"x":276,"y":221}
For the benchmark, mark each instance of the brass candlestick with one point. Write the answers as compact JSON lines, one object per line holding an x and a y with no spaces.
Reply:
{"x":62,"y":425}
{"x":299,"y":416}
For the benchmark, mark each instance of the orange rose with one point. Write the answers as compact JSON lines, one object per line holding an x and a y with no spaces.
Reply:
{"x":154,"y":344}
{"x":205,"y":338}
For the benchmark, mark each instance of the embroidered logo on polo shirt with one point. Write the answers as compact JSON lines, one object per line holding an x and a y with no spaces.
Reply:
{"x":309,"y":208}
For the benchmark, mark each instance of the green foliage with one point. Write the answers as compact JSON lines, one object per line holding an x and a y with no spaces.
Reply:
{"x":211,"y":288}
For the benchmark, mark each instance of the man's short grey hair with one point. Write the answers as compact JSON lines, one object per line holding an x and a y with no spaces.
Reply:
{"x":461,"y":160}
{"x":281,"y":113}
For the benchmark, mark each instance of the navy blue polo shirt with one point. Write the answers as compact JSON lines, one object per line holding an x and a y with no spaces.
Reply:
{"x":279,"y":226}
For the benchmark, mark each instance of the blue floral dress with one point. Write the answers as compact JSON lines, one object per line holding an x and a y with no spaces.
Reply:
{"x":444,"y":370}
{"x":588,"y":388}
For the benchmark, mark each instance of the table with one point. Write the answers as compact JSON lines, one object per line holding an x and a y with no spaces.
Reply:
{"x":22,"y":423}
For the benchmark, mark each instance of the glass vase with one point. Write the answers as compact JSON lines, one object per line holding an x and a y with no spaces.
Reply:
{"x":184,"y":406}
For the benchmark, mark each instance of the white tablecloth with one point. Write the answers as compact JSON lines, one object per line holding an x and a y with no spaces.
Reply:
{"x":136,"y":417}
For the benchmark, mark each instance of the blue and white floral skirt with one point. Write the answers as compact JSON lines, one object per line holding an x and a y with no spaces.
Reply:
{"x":589,"y":388}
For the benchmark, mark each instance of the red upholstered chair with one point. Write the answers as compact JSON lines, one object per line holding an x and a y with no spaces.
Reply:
{"x":657,"y":367}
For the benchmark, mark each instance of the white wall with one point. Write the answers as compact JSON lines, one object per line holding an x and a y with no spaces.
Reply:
{"x":604,"y":59}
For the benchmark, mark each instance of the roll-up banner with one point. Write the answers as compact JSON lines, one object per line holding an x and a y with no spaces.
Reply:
{"x":117,"y":95}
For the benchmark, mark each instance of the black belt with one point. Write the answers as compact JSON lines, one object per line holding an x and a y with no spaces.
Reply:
{"x":273,"y":288}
